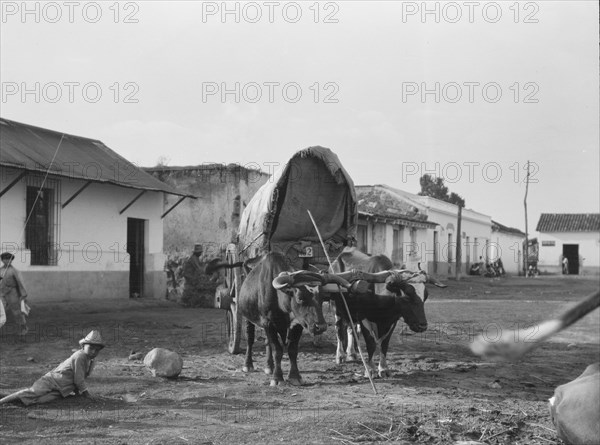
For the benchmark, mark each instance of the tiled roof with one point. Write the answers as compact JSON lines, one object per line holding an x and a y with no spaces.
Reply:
{"x":384,"y":201}
{"x":388,"y":204}
{"x":569,"y":222}
{"x":399,"y":220}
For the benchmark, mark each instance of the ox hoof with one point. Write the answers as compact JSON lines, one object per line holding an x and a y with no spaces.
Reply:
{"x":384,"y":373}
{"x":339,"y":360}
{"x":268,"y":371}
{"x":247,"y":368}
{"x":373,"y":374}
{"x":352,"y":358}
{"x":274,"y":382}
{"x":295,"y":381}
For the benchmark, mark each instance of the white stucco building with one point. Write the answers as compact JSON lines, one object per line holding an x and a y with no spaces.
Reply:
{"x":82,"y":221}
{"x":507,"y":244}
{"x":392,"y":225}
{"x":575,"y":236}
{"x":432,"y":237}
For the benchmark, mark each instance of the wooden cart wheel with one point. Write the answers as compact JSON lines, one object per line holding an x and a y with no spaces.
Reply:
{"x":234,"y":319}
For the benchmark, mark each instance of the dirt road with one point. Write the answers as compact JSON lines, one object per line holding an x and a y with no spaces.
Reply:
{"x":439,"y":393}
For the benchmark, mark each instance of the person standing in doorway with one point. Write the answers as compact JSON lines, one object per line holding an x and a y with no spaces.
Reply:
{"x":12,"y":291}
{"x":565,"y":266}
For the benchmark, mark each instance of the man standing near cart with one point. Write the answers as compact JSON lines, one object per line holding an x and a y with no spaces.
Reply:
{"x":192,"y":274}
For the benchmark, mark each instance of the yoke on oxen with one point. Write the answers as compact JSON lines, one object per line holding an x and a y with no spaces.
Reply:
{"x":377,"y":303}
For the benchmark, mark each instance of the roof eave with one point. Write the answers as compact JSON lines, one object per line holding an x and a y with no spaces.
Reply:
{"x":398,"y":220}
{"x":99,"y":181}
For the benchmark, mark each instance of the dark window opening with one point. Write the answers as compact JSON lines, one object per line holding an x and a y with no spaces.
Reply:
{"x":42,"y":224}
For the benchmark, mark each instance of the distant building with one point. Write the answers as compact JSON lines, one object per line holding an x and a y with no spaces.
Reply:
{"x":430,"y":237}
{"x":212,"y":220}
{"x":507,"y":244}
{"x":475,"y":235}
{"x":82,"y":221}
{"x":391,"y":225}
{"x":575,"y":236}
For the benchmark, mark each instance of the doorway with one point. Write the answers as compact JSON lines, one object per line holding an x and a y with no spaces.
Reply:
{"x":571,"y":253}
{"x":136,"y":249}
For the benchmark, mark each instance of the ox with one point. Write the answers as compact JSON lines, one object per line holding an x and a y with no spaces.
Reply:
{"x":396,"y":294}
{"x":575,"y":408}
{"x":283,"y":302}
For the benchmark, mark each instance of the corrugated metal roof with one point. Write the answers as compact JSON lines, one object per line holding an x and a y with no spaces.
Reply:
{"x":33,"y":149}
{"x":569,"y":222}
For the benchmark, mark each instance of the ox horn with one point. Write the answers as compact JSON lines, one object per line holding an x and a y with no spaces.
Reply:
{"x":302,"y":276}
{"x":435,"y":282}
{"x":336,"y":279}
{"x":399,"y":275}
{"x":291,"y":278}
{"x":355,"y":275}
{"x":432,"y":280}
{"x":282,"y":280}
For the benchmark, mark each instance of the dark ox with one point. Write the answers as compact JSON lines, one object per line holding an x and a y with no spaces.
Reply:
{"x":391,"y":295}
{"x":283,"y":302}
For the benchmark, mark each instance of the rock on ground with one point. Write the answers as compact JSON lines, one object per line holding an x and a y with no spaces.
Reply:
{"x":163,"y":363}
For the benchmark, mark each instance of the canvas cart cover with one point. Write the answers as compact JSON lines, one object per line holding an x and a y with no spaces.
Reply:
{"x":276,"y":218}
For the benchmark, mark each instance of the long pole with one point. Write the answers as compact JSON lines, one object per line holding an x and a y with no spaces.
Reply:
{"x":458,"y":244}
{"x":368,"y":371}
{"x":35,"y":200}
{"x":526,"y":255}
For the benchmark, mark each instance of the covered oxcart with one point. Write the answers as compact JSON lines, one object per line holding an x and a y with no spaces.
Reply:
{"x":277,"y":220}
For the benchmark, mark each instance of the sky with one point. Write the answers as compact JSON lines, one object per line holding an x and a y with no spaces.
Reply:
{"x":469,"y":91}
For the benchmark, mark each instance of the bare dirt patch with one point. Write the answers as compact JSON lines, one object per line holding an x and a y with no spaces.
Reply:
{"x":438,"y":393}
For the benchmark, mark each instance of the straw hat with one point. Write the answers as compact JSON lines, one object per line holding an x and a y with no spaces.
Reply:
{"x":93,"y":338}
{"x":7,"y":256}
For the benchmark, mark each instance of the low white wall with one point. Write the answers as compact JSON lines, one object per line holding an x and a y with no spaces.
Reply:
{"x":91,"y":246}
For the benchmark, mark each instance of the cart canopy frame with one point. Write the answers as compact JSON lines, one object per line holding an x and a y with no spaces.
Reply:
{"x":276,"y":218}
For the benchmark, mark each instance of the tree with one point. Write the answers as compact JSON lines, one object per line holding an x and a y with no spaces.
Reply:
{"x":434,"y":187}
{"x":456,"y":199}
{"x":162,"y":161}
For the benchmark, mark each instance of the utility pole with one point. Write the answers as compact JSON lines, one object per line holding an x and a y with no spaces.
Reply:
{"x":458,"y":243}
{"x":526,"y":253}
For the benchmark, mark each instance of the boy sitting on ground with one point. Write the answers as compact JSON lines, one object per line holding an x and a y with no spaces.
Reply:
{"x":67,"y":378}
